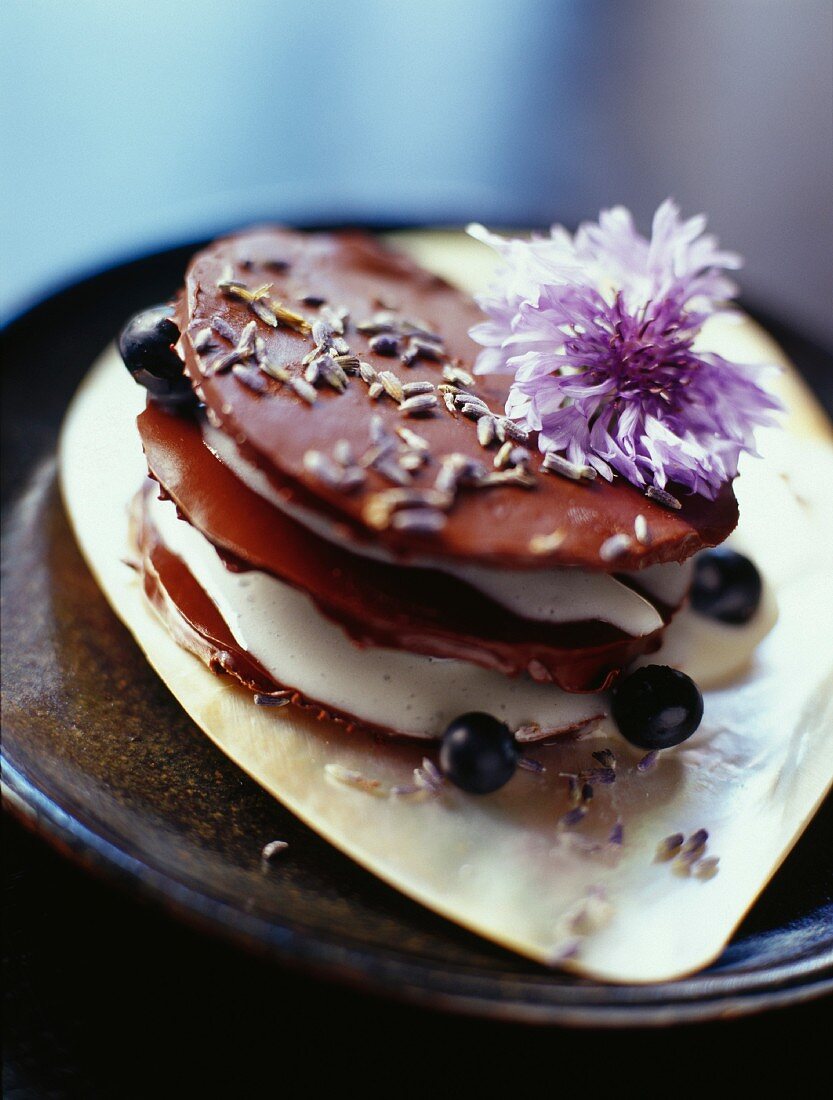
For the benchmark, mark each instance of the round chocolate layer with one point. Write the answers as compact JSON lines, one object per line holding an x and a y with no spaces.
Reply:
{"x":253,"y":626}
{"x":192,"y":618}
{"x":249,"y":321}
{"x":416,"y":609}
{"x":197,"y":625}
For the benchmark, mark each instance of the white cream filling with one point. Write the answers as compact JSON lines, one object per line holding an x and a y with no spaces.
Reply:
{"x":407,"y":692}
{"x":668,"y":582}
{"x":712,"y":653}
{"x":545,"y":595}
{"x":562,"y":596}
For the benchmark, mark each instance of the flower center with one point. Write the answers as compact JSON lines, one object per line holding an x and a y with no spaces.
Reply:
{"x":633,"y":355}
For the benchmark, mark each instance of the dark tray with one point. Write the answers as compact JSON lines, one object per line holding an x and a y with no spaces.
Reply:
{"x":99,"y":759}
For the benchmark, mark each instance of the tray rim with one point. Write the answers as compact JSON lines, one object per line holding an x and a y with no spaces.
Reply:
{"x":698,"y":998}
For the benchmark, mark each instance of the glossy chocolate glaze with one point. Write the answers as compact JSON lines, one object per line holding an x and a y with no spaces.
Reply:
{"x":378,"y":604}
{"x":275,"y":429}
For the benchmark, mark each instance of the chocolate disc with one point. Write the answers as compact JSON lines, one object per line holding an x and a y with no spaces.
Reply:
{"x":376,"y":603}
{"x":257,"y":306}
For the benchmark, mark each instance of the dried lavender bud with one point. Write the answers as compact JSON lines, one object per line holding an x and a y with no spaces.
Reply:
{"x":604,"y":776}
{"x":251,"y":378}
{"x":617,"y":834}
{"x":418,"y":405}
{"x":272,"y":850}
{"x":367,"y":373}
{"x":423,"y":521}
{"x":557,"y":464}
{"x":648,"y":761}
{"x":615,"y":546}
{"x":457,"y":375}
{"x":695,"y":843}
{"x":413,"y":389}
{"x":530,"y":764}
{"x":574,"y":817}
{"x":640,"y":530}
{"x":707,"y":868}
{"x":606,"y":757}
{"x":423,"y":349}
{"x":385,"y":343}
{"x":662,"y":497}
{"x":508,"y":429}
{"x":486,"y":432}
{"x":670,"y":846}
{"x":304,"y":390}
{"x":474,"y":411}
{"x":273,"y":699}
{"x":392,"y":385}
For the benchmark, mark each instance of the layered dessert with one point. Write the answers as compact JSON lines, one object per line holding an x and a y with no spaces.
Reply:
{"x":451,"y":571}
{"x":427,"y":516}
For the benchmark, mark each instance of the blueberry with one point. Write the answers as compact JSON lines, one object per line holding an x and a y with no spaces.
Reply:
{"x":726,"y":586}
{"x":146,"y":346}
{"x":478,"y":753}
{"x":657,"y":707}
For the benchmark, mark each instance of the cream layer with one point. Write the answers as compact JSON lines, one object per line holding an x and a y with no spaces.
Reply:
{"x":545,"y":595}
{"x":410,"y":693}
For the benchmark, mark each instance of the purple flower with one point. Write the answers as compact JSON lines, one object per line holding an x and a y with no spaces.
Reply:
{"x":599,"y":331}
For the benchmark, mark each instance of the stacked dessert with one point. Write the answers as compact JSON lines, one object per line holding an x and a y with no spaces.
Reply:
{"x":343,"y":516}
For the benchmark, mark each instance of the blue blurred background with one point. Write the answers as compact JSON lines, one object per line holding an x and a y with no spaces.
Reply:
{"x":128,"y":126}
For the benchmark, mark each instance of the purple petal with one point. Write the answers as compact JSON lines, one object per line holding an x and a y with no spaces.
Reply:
{"x":611,"y":378}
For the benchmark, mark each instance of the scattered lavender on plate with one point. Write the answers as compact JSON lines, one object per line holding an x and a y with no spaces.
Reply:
{"x":273,"y":850}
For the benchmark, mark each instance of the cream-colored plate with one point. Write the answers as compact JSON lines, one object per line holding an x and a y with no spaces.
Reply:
{"x":503,"y":866}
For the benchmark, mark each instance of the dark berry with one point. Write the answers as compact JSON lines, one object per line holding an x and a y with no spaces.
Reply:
{"x":726,"y":586}
{"x":146,"y":344}
{"x":657,"y":707}
{"x":478,"y":753}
